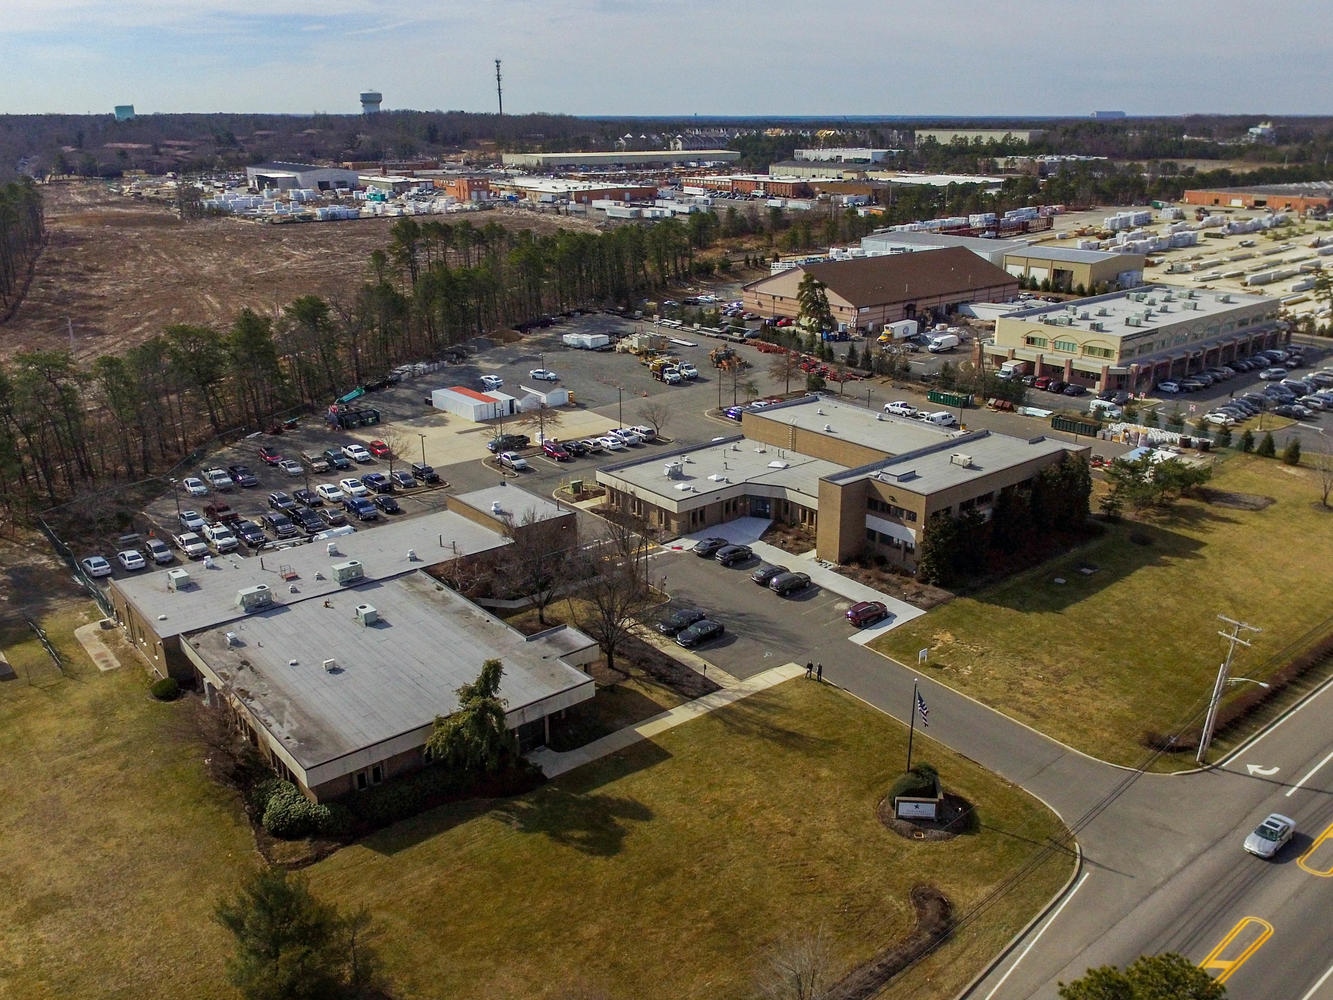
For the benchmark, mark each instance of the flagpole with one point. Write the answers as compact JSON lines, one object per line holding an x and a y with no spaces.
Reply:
{"x":911,"y":732}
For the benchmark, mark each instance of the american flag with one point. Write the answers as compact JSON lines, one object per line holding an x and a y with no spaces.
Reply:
{"x":922,"y":710}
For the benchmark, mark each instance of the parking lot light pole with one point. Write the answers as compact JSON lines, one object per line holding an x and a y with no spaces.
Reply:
{"x":620,"y":407}
{"x":1223,"y":682}
{"x":423,"y":447}
{"x":176,"y":494}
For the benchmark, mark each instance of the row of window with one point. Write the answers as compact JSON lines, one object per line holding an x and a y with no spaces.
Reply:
{"x":880,"y":538}
{"x":1070,"y":347}
{"x":883,"y":507}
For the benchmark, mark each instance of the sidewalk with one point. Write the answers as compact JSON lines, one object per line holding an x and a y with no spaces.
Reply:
{"x":90,"y":637}
{"x":553,"y":763}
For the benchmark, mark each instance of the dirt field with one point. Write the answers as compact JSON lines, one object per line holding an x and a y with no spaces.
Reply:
{"x":120,"y":270}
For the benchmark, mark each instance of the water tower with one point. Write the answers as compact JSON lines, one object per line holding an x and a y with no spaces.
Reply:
{"x":370,"y":102}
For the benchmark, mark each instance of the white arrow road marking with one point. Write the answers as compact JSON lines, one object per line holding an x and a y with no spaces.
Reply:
{"x":1267,"y":772}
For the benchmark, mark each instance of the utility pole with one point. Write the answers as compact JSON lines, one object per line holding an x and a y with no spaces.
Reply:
{"x":499,"y":94}
{"x":1210,"y":721}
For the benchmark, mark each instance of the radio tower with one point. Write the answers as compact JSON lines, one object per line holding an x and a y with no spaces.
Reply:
{"x":499,"y":94}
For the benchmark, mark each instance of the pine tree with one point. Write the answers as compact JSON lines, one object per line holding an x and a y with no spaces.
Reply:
{"x":1291,"y":453}
{"x":1267,"y":446}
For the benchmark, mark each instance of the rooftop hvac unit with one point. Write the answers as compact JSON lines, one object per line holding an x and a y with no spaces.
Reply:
{"x":366,"y":615}
{"x":253,"y":598}
{"x":233,"y":639}
{"x":1085,"y":316}
{"x":1103,"y":311}
{"x":496,"y":507}
{"x":177,"y":579}
{"x":1095,"y":327}
{"x":958,"y":458}
{"x":330,"y":666}
{"x":349,"y":572}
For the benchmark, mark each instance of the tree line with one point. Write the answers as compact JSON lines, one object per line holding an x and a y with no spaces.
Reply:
{"x":22,"y":231}
{"x":68,"y":431}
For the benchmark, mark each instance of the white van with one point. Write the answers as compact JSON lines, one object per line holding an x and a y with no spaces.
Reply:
{"x":1105,"y":408}
{"x":941,"y":418}
{"x":943,"y":342}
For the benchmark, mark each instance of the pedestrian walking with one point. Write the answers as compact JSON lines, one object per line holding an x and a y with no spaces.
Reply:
{"x":809,"y":668}
{"x":819,"y":676}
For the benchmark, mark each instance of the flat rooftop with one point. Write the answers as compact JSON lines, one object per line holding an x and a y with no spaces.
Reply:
{"x":857,"y":424}
{"x":1139,"y":311}
{"x":520,"y":505}
{"x":701,"y":474}
{"x":390,"y":679}
{"x":301,"y":572}
{"x":887,"y":239}
{"x":953,"y":463}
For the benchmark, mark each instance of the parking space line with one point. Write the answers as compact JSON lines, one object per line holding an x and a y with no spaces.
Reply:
{"x":1307,"y":776}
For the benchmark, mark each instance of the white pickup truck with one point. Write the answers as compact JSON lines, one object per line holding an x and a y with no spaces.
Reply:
{"x":191,"y":544}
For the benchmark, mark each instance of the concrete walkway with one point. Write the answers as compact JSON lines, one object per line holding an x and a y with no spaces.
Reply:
{"x":90,"y":638}
{"x":553,"y":763}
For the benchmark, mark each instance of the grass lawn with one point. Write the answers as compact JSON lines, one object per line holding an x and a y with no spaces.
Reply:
{"x":669,"y":869}
{"x":1103,"y":657}
{"x":116,"y":842}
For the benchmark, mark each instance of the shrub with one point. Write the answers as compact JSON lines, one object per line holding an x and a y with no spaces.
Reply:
{"x":1267,"y":446}
{"x":1291,"y":454}
{"x":289,"y":815}
{"x":922,"y":781}
{"x":166,"y":689}
{"x":1247,"y":441}
{"x":1224,"y":437}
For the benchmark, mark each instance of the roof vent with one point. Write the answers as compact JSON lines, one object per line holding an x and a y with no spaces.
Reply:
{"x":332,"y":548}
{"x":233,"y":639}
{"x":177,"y":579}
{"x":366,"y":615}
{"x":879,"y":416}
{"x":253,"y":598}
{"x":330,"y":666}
{"x":828,"y":428}
{"x":411,"y":555}
{"x":496,"y":507}
{"x":958,"y":458}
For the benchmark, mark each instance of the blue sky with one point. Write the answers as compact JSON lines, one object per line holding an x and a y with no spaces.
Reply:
{"x":652,"y":57}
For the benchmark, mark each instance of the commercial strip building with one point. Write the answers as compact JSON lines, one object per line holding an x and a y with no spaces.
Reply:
{"x":574,"y":160}
{"x":1316,"y":196}
{"x":303,"y":176}
{"x":1065,"y":267}
{"x":860,"y":481}
{"x":335,"y":657}
{"x":867,"y":293}
{"x":552,"y":190}
{"x":1132,"y":340}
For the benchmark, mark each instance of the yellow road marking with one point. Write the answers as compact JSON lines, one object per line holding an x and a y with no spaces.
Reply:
{"x":1226,"y":966}
{"x":1327,"y":835}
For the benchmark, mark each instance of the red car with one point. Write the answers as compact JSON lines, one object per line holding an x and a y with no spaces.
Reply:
{"x":554,"y":449}
{"x":379,"y":449}
{"x":269,"y":456}
{"x":865,"y":613}
{"x":1042,"y":382}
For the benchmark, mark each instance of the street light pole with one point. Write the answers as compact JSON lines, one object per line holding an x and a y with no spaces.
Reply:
{"x":1220,"y":685}
{"x":175,"y":492}
{"x":620,"y":406}
{"x":423,"y":447}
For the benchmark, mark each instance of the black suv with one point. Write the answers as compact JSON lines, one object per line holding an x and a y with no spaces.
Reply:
{"x":707,"y":547}
{"x":507,"y":442}
{"x":337,"y":460}
{"x":424,"y":473}
{"x":279,"y":500}
{"x":309,"y":520}
{"x":729,"y":555}
{"x":679,"y":620}
{"x":280,"y":524}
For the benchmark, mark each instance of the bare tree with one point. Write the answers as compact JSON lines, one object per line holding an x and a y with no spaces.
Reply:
{"x":784,"y":366}
{"x":399,"y":447}
{"x":656,"y":412}
{"x":540,"y":418}
{"x":542,"y":561}
{"x":797,"y":968}
{"x":1323,"y":466}
{"x":617,"y":590}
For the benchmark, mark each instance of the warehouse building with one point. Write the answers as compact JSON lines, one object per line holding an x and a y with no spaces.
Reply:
{"x":1316,"y":197}
{"x":304,"y":176}
{"x":555,"y":190}
{"x":858,"y":480}
{"x":868,"y":292}
{"x":336,"y":657}
{"x":574,"y":160}
{"x":1133,"y":340}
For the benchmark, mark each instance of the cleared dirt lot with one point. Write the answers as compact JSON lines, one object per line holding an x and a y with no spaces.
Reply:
{"x":120,"y":270}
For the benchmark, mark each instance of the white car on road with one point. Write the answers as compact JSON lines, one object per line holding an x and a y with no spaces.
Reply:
{"x":1270,"y":835}
{"x":492,"y":381}
{"x":543,"y":375}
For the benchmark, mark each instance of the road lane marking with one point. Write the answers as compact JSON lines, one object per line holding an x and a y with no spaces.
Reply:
{"x":1315,"y":988}
{"x":1226,"y":966}
{"x":1033,"y":943}
{"x":1308,"y":775}
{"x":1320,"y":872}
{"x":1266,"y":772}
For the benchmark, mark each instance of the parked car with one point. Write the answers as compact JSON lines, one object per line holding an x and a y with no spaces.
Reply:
{"x":269,"y":456}
{"x":687,"y":370}
{"x":672,"y":376}
{"x":194,"y":487}
{"x":278,"y":500}
{"x":592,"y":444}
{"x":357,"y":453}
{"x":1074,"y":389}
{"x":1041,"y":382}
{"x":610,"y":443}
{"x":507,"y":442}
{"x":353,"y":487}
{"x":1271,"y":835}
{"x":250,"y":533}
{"x":379,"y":449}
{"x":95,"y":566}
{"x":217,"y":479}
{"x":1273,"y":374}
{"x":543,"y":375}
{"x":329,"y":492}
{"x":424,"y":473}
{"x":789,"y":583}
{"x":191,"y":544}
{"x":730,"y":555}
{"x":680,"y":619}
{"x":1168,"y":386}
{"x":220,"y":537}
{"x":705,"y":630}
{"x":492,"y":382}
{"x":387,"y":503}
{"x":376,"y":482}
{"x":307,"y":520}
{"x":337,"y":460}
{"x":361,"y":509}
{"x":192,"y":520}
{"x":645,"y":432}
{"x":706,"y":548}
{"x":280,"y":524}
{"x":626,"y":435}
{"x":1219,"y":419}
{"x":308,"y":497}
{"x":513,"y":460}
{"x":159,"y":551}
{"x":576,"y":449}
{"x":291,"y":467}
{"x":864,"y":613}
{"x":402,"y":480}
{"x":1057,"y":386}
{"x":242,"y":476}
{"x":766,"y":572}
{"x":900,"y":408}
{"x":333,"y":516}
